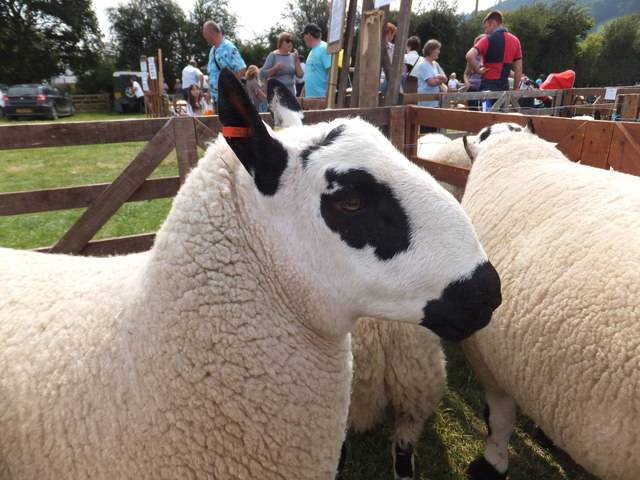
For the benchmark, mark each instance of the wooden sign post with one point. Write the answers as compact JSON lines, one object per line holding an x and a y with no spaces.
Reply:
{"x":155,"y":104}
{"x":334,"y":45}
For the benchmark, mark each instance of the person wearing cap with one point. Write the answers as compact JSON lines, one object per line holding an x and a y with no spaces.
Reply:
{"x":223,"y":54}
{"x":318,"y":63}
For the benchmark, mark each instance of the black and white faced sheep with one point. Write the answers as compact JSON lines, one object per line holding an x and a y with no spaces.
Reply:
{"x":398,"y":368}
{"x":223,"y":352}
{"x":565,"y":344}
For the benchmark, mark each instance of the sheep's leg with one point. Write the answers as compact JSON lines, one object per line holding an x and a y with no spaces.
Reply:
{"x":403,"y":460}
{"x":500,"y":416}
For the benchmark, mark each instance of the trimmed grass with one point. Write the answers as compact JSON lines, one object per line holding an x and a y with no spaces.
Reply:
{"x":455,"y":435}
{"x":452,"y":437}
{"x":39,"y":168}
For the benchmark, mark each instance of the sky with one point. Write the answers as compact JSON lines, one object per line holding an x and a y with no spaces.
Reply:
{"x":257,"y":16}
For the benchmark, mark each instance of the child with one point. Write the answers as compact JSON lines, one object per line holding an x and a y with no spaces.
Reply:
{"x":256,"y":89}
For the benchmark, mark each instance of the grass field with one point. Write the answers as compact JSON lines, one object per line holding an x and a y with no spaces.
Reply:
{"x":452,"y":438}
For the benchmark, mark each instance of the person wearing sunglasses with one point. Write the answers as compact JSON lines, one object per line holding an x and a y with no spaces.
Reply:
{"x":283,"y":63}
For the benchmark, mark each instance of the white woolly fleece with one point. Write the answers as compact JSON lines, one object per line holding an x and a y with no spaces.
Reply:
{"x":398,"y":369}
{"x":565,"y":344}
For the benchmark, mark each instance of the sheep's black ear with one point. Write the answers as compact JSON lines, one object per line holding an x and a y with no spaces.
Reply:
{"x":471,"y":148}
{"x":530,"y":126}
{"x":283,"y":105}
{"x":262,"y":155}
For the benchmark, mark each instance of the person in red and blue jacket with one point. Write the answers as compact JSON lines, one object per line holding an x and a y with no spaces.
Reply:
{"x":501,"y":53}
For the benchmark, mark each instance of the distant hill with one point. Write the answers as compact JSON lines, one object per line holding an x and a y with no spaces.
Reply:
{"x":601,"y":10}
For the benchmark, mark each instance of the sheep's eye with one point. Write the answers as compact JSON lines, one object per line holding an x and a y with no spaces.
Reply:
{"x":351,"y":204}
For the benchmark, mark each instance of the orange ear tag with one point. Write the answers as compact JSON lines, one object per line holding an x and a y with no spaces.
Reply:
{"x":241,"y":132}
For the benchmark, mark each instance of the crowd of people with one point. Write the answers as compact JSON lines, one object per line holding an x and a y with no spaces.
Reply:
{"x":197,"y":94}
{"x":494,"y":58}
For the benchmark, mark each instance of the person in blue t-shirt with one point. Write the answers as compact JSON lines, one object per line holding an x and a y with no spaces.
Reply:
{"x":223,"y":54}
{"x":318,"y":64}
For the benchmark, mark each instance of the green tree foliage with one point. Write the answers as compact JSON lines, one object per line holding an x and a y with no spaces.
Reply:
{"x":619,"y":59}
{"x":569,"y":23}
{"x":301,"y":12}
{"x":255,"y":52}
{"x":587,"y":60}
{"x":203,"y":10}
{"x":530,"y":25}
{"x":141,"y":27}
{"x":39,"y":39}
{"x":98,"y":78}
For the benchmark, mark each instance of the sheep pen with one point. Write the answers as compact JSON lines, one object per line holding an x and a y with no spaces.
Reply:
{"x":223,"y":352}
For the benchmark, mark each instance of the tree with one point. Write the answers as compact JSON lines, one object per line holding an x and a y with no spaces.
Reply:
{"x":619,"y":61}
{"x":569,"y":23}
{"x":204,"y":10}
{"x":307,"y":11}
{"x":39,"y":40}
{"x":141,"y":27}
{"x":587,"y":60}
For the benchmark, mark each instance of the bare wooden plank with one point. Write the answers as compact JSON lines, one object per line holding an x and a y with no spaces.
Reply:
{"x":59,"y":134}
{"x":348,"y":46}
{"x":624,"y":155}
{"x":571,"y":145}
{"x":443,"y":172}
{"x":51,"y":199}
{"x":597,"y":140}
{"x":629,"y":109}
{"x":204,"y":135}
{"x":396,"y":127}
{"x":114,"y":246}
{"x":410,"y":131}
{"x":117,"y":193}
{"x":184,"y":134}
{"x":376,"y":116}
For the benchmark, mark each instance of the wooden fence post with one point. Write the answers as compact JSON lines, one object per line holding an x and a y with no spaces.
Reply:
{"x":116,"y":194}
{"x":184,"y":134}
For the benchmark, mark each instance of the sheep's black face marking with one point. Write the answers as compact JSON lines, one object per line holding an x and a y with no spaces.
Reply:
{"x":326,"y":141}
{"x":364,"y":211}
{"x":487,"y":132}
{"x":465,"y":306}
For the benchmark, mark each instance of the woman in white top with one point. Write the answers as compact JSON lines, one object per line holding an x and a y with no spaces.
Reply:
{"x":453,"y":83}
{"x":283,"y":63}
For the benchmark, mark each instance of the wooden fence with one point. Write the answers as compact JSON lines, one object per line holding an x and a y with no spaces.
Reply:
{"x":92,"y":103}
{"x":184,"y":134}
{"x":564,"y":103}
{"x":597,"y":143}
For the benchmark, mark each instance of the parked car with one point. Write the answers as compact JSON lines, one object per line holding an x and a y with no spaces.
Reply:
{"x":3,"y":90}
{"x":36,"y":100}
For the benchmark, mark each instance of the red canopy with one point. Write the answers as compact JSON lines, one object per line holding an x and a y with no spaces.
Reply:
{"x":558,"y":81}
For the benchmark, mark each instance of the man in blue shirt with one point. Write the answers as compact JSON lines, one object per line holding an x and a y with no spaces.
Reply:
{"x":316,"y":76}
{"x":223,"y":54}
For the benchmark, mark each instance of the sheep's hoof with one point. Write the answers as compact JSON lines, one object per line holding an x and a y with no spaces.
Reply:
{"x":403,"y":461}
{"x":480,"y":469}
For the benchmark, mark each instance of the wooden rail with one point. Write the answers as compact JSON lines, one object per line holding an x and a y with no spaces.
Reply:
{"x":597,"y":143}
{"x":92,"y":103}
{"x":102,"y":201}
{"x":563,"y":102}
{"x":601,"y":144}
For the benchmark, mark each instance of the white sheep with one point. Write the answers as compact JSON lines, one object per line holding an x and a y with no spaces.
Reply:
{"x":453,"y":153}
{"x":398,"y":368}
{"x":398,"y":371}
{"x":223,"y":352}
{"x":565,"y":345}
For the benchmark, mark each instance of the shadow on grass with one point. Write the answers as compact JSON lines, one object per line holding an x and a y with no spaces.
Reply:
{"x":455,"y":435}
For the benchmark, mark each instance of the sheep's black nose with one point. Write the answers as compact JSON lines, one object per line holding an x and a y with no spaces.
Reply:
{"x":466,"y":305}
